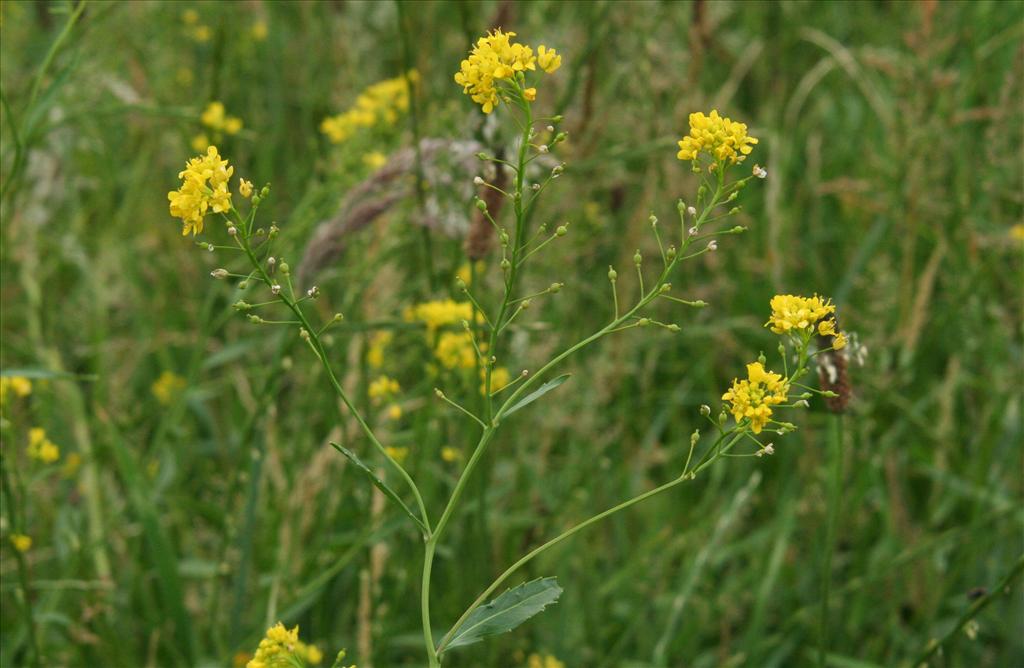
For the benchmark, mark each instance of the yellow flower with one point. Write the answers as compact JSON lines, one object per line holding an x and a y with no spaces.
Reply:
{"x":450,"y":454}
{"x":548,"y":60}
{"x":720,"y":137}
{"x":200,"y":142}
{"x":379,"y":104}
{"x":190,"y":17}
{"x":753,"y":398}
{"x":375,"y":159}
{"x":839,"y":342}
{"x":455,"y":350}
{"x":1017,"y":232}
{"x":19,"y":385}
{"x":499,"y":379}
{"x":440,"y":313}
{"x":495,"y":58}
{"x":282,"y":648}
{"x":213,"y":115}
{"x":398,"y":454}
{"x":202,"y":33}
{"x":244,"y":187}
{"x":545,"y":661}
{"x":394,"y":412}
{"x":384,"y":387}
{"x":21,"y":542}
{"x":792,"y":314}
{"x":465,"y":272}
{"x":204,"y":188}
{"x":167,"y":387}
{"x":40,"y":447}
{"x":259,"y":30}
{"x":375,"y":353}
{"x":232,"y":125}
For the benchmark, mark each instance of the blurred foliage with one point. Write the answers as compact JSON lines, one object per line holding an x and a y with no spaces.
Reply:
{"x":892,"y":134}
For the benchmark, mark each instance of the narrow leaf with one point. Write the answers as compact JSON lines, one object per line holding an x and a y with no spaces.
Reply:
{"x":380,"y":484}
{"x":538,"y":393}
{"x":507,"y":611}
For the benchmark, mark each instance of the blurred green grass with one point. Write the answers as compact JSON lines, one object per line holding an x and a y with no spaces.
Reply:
{"x":892,"y":133}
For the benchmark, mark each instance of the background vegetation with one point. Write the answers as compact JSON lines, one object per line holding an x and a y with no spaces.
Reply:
{"x":892,"y":133}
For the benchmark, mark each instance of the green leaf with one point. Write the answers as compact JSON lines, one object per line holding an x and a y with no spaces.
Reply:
{"x":380,"y":484}
{"x":507,"y":611}
{"x":538,"y":393}
{"x":43,"y":374}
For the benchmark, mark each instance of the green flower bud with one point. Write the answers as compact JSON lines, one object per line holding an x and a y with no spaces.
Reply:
{"x":705,"y":410}
{"x":555,"y":287}
{"x":637,"y":258}
{"x":612,"y":274}
{"x":561,"y":231}
{"x":643,"y":322}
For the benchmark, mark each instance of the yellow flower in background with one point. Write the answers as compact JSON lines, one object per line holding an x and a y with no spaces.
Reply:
{"x":440,"y":313}
{"x":543,"y":661}
{"x":282,"y":648}
{"x":40,"y":447}
{"x":548,"y":60}
{"x":398,"y":454}
{"x":455,"y":350}
{"x":17,"y":385}
{"x":1017,"y":232}
{"x":190,"y":17}
{"x":200,"y":142}
{"x":71,"y":465}
{"x":204,"y":188}
{"x":375,"y":159}
{"x":499,"y":379}
{"x":465,"y":272}
{"x":202,"y":33}
{"x":378,"y":344}
{"x":259,"y":30}
{"x":244,"y":188}
{"x":720,"y":137}
{"x":379,"y":104}
{"x":216,"y":118}
{"x":450,"y":454}
{"x":21,"y":542}
{"x":167,"y":387}
{"x":394,"y":412}
{"x":752,"y":398}
{"x":384,"y":387}
{"x":495,"y":58}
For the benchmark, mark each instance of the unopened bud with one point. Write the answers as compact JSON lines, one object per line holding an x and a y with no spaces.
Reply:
{"x":652,"y":219}
{"x":255,"y":319}
{"x":550,"y":128}
{"x":285,"y":269}
{"x":637,"y":258}
{"x":303,"y":334}
{"x":505,"y":264}
{"x":612,"y":274}
{"x":543,"y":148}
{"x":525,"y":304}
{"x":671,"y":253}
{"x":477,"y":180}
{"x":271,"y":261}
{"x":219,"y":273}
{"x":481,"y":155}
{"x":275,"y":288}
{"x":705,"y":410}
{"x":313,"y":292}
{"x":762,"y":359}
{"x":680,"y":206}
{"x":482,"y":205}
{"x":561,"y":231}
{"x":694,"y":437}
{"x":691,"y":210}
{"x":673,"y":328}
{"x":712,"y":245}
{"x":232,"y":230}
{"x":555,"y":287}
{"x":241,"y":306}
{"x":643,"y":322}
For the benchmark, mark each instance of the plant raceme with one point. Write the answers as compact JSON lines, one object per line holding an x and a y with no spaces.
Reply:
{"x":502,"y":74}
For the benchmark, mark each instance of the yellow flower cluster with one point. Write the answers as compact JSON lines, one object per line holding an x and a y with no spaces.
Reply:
{"x":204,"y":188}
{"x":196,"y":30}
{"x":439,"y":313}
{"x":384,"y":388}
{"x":218,"y":121}
{"x":804,"y":316}
{"x":397,"y":453}
{"x":721,"y":137}
{"x":496,"y":57}
{"x":282,"y":648}
{"x":21,"y":542}
{"x":40,"y":447}
{"x":499,"y":378}
{"x":753,"y":398}
{"x":378,"y":344}
{"x":167,"y":387}
{"x":455,"y":350}
{"x":18,"y":385}
{"x":381,"y":103}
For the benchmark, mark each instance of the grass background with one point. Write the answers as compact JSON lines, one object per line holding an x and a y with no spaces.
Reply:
{"x":892,"y":133}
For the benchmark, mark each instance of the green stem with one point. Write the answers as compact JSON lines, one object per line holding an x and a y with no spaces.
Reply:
{"x":579,"y":527}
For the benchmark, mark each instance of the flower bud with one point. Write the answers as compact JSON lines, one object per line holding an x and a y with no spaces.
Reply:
{"x":643,"y":322}
{"x":242,"y":285}
{"x":555,"y":287}
{"x":285,"y":269}
{"x":705,"y":410}
{"x":674,"y":328}
{"x":241,"y":306}
{"x":275,"y":288}
{"x":313,"y":292}
{"x":680,"y":206}
{"x":482,"y":205}
{"x":671,"y":253}
{"x":255,"y":319}
{"x":478,"y":181}
{"x":652,"y":219}
{"x":612,"y":274}
{"x":561,"y":231}
{"x":694,"y":437}
{"x":232,"y":230}
{"x":505,"y":264}
{"x":637,"y":258}
{"x":543,"y":148}
{"x":481,"y":155}
{"x":762,"y":359}
{"x":712,"y":245}
{"x":219,"y":273}
{"x":525,"y":304}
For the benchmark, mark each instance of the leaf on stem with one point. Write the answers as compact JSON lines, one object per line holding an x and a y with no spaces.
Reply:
{"x":538,"y":393}
{"x":508,"y":611}
{"x":378,"y":483}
